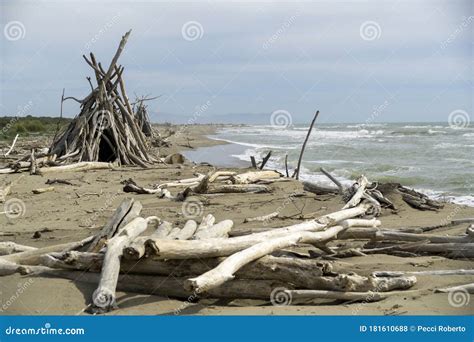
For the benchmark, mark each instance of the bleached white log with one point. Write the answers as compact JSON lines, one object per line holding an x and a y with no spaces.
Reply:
{"x":12,"y":146}
{"x":219,"y":230}
{"x":9,"y":247}
{"x":225,"y":271}
{"x":7,"y":267}
{"x":262,"y":218}
{"x":188,"y":230}
{"x":183,"y":182}
{"x":126,"y":212}
{"x":33,"y":257}
{"x":136,"y":249}
{"x":81,"y":166}
{"x":361,"y":184}
{"x":218,"y":174}
{"x":104,"y":296}
{"x":186,"y":249}
{"x":206,"y":222}
{"x":361,"y":223}
{"x":42,"y":190}
{"x":255,"y":176}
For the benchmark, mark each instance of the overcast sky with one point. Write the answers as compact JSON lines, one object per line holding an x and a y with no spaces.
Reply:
{"x":355,"y":61}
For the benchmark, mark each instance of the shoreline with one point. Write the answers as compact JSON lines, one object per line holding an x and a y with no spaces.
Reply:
{"x":207,"y":150}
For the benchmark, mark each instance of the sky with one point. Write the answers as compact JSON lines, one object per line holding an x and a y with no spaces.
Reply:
{"x":355,"y":61}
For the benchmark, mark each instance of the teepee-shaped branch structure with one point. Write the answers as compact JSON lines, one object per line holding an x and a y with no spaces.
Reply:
{"x":106,"y":129}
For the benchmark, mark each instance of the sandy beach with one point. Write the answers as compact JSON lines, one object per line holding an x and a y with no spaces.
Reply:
{"x":73,"y":212}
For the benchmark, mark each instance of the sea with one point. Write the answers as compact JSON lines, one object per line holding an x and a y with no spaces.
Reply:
{"x":435,"y":158}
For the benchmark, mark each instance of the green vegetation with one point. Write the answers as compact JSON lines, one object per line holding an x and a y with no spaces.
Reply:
{"x":29,"y":125}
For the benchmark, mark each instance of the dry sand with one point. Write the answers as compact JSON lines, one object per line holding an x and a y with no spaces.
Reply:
{"x":71,"y":213}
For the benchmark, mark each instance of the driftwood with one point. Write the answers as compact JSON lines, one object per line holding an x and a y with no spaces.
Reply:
{"x":107,"y":128}
{"x":104,"y":295}
{"x":225,"y":271}
{"x":128,"y":210}
{"x":221,"y":247}
{"x":333,"y":179}
{"x":393,"y":235}
{"x":136,"y":249}
{"x":460,"y":272}
{"x":254,"y":176}
{"x":170,"y":286}
{"x":219,"y":230}
{"x":8,"y":267}
{"x":9,"y":247}
{"x":238,"y":188}
{"x":319,"y":189}
{"x":302,"y":273}
{"x":188,"y":230}
{"x":467,"y":288}
{"x":220,"y":174}
{"x":370,"y":296}
{"x":359,"y":189}
{"x":81,"y":166}
{"x":298,"y":167}
{"x":42,"y":190}
{"x":265,"y":160}
{"x":262,"y":218}
{"x":449,"y":249}
{"x":12,"y":146}
{"x":33,"y":257}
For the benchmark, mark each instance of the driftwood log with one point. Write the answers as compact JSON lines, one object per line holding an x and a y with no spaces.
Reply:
{"x":104,"y":295}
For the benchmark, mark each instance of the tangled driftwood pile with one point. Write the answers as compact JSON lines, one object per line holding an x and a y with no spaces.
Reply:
{"x":215,"y":182}
{"x":205,"y":262}
{"x":107,"y":128}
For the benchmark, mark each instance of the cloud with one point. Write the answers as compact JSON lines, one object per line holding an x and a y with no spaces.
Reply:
{"x":252,"y":56}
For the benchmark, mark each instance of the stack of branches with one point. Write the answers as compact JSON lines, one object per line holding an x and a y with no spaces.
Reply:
{"x":213,"y":183}
{"x":141,"y":113}
{"x":374,"y":192}
{"x":206,"y":262}
{"x":106,"y":129}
